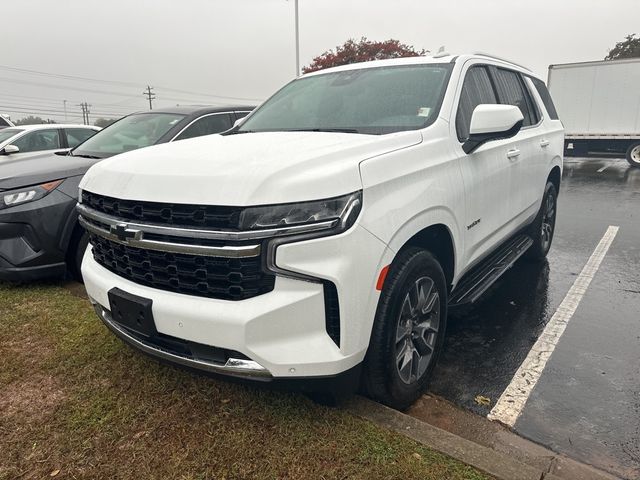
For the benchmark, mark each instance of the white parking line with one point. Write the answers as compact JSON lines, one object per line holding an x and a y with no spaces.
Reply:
{"x":512,"y":401}
{"x":603,"y":168}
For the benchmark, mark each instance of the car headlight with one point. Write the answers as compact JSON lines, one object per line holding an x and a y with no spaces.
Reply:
{"x":22,"y":195}
{"x":337,"y":213}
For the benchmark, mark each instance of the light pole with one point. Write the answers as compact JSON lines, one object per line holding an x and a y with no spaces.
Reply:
{"x":297,"y":41}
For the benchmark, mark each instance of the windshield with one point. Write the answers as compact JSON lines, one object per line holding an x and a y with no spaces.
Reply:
{"x":7,"y":133}
{"x":132,"y":132}
{"x":370,"y":100}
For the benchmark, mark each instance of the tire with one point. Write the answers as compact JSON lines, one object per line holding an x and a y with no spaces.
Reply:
{"x":77,"y":247}
{"x":544,"y":225}
{"x":386,"y":379}
{"x":633,"y":155}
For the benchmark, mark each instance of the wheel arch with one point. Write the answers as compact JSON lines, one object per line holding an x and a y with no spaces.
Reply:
{"x":438,"y":240}
{"x":555,"y":177}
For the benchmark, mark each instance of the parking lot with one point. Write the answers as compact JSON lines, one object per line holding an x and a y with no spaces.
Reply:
{"x":586,"y":403}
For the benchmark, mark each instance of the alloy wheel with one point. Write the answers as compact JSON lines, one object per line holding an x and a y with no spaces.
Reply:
{"x":417,"y":330}
{"x":548,"y":221}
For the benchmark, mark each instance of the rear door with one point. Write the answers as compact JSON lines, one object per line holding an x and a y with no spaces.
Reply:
{"x":523,"y":151}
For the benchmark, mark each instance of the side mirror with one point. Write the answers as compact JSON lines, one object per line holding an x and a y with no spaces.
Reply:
{"x":492,"y":122}
{"x":9,"y":149}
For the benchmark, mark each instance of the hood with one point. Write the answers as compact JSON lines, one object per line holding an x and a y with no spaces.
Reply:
{"x":39,"y":168}
{"x":244,"y":169}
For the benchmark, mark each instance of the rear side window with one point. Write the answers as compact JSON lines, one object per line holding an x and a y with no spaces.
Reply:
{"x":206,"y":126}
{"x":543,"y":91}
{"x":512,"y":91}
{"x":75,"y":136}
{"x":476,"y":90}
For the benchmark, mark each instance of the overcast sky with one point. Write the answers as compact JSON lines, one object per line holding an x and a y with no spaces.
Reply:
{"x":216,"y":49}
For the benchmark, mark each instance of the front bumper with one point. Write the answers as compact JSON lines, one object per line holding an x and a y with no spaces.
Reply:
{"x":33,"y":238}
{"x":283,"y":332}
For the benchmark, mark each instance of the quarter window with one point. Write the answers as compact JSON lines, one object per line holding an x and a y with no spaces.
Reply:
{"x":546,"y":98}
{"x":206,"y":126}
{"x":476,"y":90}
{"x":38,"y":140}
{"x":512,"y":91}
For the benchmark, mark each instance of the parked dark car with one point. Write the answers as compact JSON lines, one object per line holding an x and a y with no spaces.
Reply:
{"x":39,"y":231}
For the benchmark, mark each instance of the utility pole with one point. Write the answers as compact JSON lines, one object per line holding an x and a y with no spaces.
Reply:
{"x":65,"y":111}
{"x":297,"y":41}
{"x":85,"y":112}
{"x":150,"y":95}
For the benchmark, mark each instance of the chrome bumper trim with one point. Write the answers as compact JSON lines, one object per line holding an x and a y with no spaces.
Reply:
{"x":111,"y":221}
{"x":234,"y":366}
{"x":204,"y":250}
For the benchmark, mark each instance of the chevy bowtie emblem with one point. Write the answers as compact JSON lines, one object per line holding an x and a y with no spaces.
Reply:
{"x":124,"y":233}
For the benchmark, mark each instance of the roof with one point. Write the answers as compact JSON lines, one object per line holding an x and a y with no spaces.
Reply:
{"x":197,"y":109}
{"x":41,"y":126}
{"x":425,"y":60}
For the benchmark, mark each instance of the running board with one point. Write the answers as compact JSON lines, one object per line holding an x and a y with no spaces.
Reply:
{"x":478,"y":281}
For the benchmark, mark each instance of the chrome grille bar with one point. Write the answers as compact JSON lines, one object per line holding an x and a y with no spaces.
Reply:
{"x":138,"y":240}
{"x":110,"y":221}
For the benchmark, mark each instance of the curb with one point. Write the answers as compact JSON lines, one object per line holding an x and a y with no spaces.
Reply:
{"x":497,"y":464}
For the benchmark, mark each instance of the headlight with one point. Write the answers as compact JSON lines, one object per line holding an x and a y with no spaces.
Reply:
{"x":333,"y":213}
{"x":27,"y":194}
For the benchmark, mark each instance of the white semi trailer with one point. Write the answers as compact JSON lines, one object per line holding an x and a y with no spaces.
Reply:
{"x":599,"y":105}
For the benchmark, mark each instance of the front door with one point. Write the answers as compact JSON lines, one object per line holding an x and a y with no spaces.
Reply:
{"x":487,"y":172}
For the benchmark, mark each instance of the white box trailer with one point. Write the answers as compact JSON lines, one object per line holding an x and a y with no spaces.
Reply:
{"x":599,"y":105}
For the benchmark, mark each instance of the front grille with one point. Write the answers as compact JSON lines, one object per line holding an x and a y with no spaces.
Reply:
{"x":170,"y":214}
{"x":204,"y":276}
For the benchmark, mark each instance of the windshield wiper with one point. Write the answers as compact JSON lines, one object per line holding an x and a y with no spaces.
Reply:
{"x":84,"y":155}
{"x":337,"y":130}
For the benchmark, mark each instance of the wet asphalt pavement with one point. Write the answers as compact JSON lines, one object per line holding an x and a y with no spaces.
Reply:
{"x":587,"y":402}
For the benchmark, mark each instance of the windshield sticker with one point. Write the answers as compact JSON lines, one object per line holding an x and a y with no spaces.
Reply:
{"x":424,"y":111}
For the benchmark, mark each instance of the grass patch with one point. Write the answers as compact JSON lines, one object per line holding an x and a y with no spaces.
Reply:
{"x":74,"y":398}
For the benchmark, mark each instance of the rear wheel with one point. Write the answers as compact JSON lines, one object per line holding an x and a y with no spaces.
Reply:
{"x":543,"y":227}
{"x":633,"y":155}
{"x":408,"y":330}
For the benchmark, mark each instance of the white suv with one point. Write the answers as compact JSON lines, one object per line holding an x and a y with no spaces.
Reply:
{"x":325,"y":237}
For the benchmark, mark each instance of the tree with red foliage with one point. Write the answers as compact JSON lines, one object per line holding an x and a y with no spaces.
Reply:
{"x":362,"y":51}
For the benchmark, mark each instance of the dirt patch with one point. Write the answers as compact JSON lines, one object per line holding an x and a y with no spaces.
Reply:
{"x":32,"y":399}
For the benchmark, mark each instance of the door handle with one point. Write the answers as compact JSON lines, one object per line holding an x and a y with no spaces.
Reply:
{"x":544,"y":143}
{"x":515,"y":153}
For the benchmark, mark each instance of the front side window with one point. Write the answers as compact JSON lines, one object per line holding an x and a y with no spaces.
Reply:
{"x":207,"y":125}
{"x":511,"y":91}
{"x":75,"y":136}
{"x":130,"y":133}
{"x":38,"y":140}
{"x":7,"y":133}
{"x":476,"y":90}
{"x":377,"y":100}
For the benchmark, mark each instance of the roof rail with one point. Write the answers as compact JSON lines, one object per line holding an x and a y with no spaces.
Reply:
{"x":495,"y":57}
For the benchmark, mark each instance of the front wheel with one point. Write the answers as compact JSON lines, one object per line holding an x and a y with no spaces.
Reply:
{"x":633,"y":155}
{"x":77,"y":248}
{"x":408,"y":330}
{"x":544,"y":226}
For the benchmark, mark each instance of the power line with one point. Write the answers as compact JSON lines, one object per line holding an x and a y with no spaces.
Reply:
{"x":121,"y":83}
{"x":9,"y":108}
